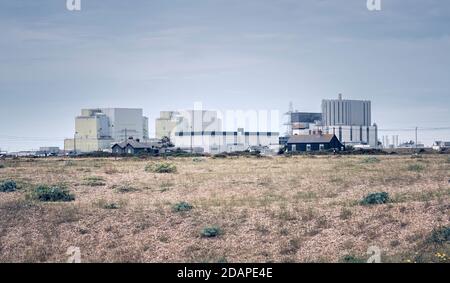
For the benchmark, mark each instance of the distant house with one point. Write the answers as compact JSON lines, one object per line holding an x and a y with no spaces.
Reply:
{"x":132,"y":146}
{"x":321,"y":142}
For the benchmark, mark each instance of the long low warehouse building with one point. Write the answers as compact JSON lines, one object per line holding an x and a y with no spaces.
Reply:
{"x":225,"y":141}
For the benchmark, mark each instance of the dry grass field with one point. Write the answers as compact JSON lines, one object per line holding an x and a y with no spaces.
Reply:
{"x":272,"y":209}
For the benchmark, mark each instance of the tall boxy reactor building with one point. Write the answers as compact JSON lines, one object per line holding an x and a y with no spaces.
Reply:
{"x":97,"y":129}
{"x":350,"y":121}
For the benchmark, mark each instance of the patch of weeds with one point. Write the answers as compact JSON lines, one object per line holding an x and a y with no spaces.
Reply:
{"x":448,"y":160}
{"x":163,"y":239}
{"x":345,"y":213}
{"x":284,"y":232}
{"x":309,"y":214}
{"x":292,"y":247}
{"x":220,"y":155}
{"x":375,"y":198}
{"x":164,"y":187}
{"x":125,"y":189}
{"x":262,"y":229}
{"x":107,"y":205}
{"x":370,"y":160}
{"x":8,"y":186}
{"x":111,"y":170}
{"x":198,"y":159}
{"x":51,"y":194}
{"x":416,"y":167}
{"x":69,"y":163}
{"x":161,"y":168}
{"x":416,"y":156}
{"x":95,"y":181}
{"x":211,"y":232}
{"x":351,"y":259}
{"x":182,"y":207}
{"x":286,"y":215}
{"x":440,"y":236}
{"x":305,"y":195}
{"x":222,"y":260}
{"x":2,"y":166}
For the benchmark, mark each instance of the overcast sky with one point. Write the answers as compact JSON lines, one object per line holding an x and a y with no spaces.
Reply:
{"x":228,"y":54}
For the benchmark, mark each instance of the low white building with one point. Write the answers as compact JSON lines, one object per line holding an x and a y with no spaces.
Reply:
{"x":225,"y":141}
{"x":185,"y":121}
{"x":441,"y":145}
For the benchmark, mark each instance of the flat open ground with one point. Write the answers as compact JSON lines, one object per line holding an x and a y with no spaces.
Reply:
{"x":279,"y":209}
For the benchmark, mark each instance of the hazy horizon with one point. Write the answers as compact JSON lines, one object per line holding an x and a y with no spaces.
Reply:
{"x":227,"y":54}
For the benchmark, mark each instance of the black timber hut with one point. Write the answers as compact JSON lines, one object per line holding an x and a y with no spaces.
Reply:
{"x":132,"y":146}
{"x":320,"y":142}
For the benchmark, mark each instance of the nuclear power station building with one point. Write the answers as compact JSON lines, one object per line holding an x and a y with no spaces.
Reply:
{"x":97,"y":129}
{"x":349,"y":120}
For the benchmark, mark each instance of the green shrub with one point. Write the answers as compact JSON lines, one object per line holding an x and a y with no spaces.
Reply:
{"x":51,"y":194}
{"x":111,"y":205}
{"x":161,"y":168}
{"x":370,"y":160}
{"x":440,"y":235}
{"x":416,"y":167}
{"x":198,"y":159}
{"x":104,"y":204}
{"x":126,"y":189}
{"x":375,"y":198}
{"x":182,"y":206}
{"x":220,"y":155}
{"x":8,"y":186}
{"x":95,"y":181}
{"x":351,"y":259}
{"x":2,"y":166}
{"x":345,"y":213}
{"x":211,"y":232}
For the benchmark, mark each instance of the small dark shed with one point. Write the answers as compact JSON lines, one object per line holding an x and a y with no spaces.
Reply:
{"x":321,"y":142}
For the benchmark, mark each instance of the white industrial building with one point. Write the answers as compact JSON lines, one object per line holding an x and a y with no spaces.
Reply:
{"x":170,"y":122}
{"x":97,"y":129}
{"x":346,"y":112}
{"x":225,"y":141}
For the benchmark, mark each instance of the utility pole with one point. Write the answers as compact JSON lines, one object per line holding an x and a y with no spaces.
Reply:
{"x":192,"y":135}
{"x":75,"y":143}
{"x":416,"y":136}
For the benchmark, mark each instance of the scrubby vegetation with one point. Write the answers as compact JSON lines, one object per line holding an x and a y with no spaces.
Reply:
{"x":182,"y":207}
{"x":295,"y":209}
{"x":8,"y":186}
{"x":2,"y":166}
{"x":161,"y":168}
{"x":95,"y":181}
{"x":351,"y":259}
{"x":440,"y":235}
{"x":211,"y":232}
{"x":375,"y":198}
{"x":371,"y":159}
{"x":345,"y":213}
{"x":51,"y":194}
{"x":219,"y":155}
{"x":126,"y":189}
{"x":416,"y":167}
